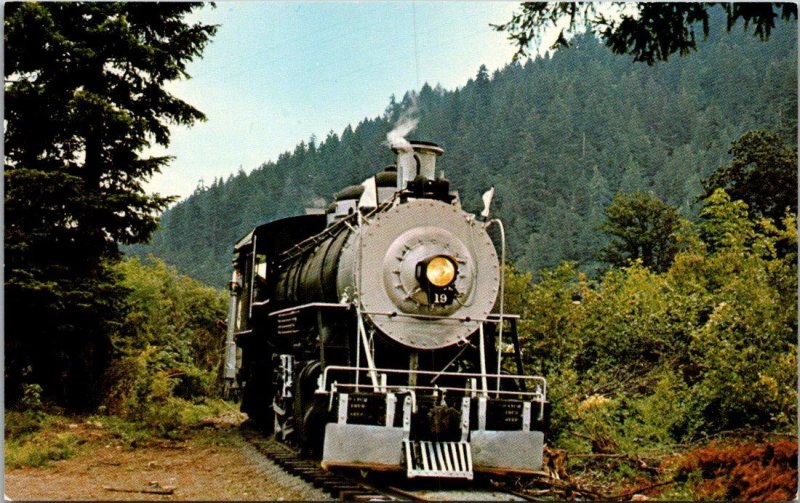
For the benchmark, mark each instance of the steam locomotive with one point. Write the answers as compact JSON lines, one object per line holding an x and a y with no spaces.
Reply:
{"x":365,"y":335}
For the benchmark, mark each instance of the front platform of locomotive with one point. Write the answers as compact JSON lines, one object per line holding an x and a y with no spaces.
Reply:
{"x":428,"y":392}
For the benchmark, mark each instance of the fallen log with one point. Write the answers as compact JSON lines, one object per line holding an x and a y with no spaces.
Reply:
{"x":147,"y":490}
{"x":640,"y":463}
{"x":627,"y":494}
{"x":564,"y":486}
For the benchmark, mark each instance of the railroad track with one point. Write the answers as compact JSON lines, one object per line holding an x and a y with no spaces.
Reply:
{"x":338,"y":485}
{"x":345,"y":486}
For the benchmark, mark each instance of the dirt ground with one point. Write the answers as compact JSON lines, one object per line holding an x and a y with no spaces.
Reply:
{"x":216,"y":464}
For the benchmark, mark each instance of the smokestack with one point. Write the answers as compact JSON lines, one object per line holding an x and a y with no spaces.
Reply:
{"x":416,"y":158}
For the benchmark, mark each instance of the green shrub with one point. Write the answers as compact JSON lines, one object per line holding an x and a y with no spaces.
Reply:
{"x":171,"y":346}
{"x":192,"y":382}
{"x":638,"y":359}
{"x":32,"y":397}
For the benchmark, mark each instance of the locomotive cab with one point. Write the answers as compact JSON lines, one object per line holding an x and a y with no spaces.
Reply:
{"x":370,"y":337}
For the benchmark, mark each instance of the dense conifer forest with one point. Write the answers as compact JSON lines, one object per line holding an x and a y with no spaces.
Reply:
{"x":557,"y":136}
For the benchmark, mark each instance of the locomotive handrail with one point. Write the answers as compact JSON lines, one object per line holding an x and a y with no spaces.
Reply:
{"x":502,"y":287}
{"x":466,"y":319}
{"x":444,"y":389}
{"x":303,"y":245}
{"x":543,"y":382}
{"x":306,"y":306}
{"x":300,"y":247}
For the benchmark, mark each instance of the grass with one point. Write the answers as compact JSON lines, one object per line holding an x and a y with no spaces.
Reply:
{"x":173,"y":419}
{"x":34,"y":439}
{"x":41,"y":450}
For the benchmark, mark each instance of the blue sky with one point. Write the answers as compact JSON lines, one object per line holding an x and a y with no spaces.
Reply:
{"x":278,"y":72}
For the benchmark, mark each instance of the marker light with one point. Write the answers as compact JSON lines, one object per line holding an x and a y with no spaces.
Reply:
{"x":441,"y":271}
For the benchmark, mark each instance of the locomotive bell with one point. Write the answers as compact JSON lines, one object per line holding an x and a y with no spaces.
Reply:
{"x":416,"y":158}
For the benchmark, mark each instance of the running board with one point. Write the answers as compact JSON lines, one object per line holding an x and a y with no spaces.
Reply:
{"x":438,"y":459}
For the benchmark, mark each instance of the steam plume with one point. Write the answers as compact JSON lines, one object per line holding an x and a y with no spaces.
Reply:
{"x":396,"y":138}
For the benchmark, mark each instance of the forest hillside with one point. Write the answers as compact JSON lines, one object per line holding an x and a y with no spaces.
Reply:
{"x":557,"y":136}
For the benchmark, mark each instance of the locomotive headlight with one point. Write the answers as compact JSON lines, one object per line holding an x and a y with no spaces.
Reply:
{"x":440,"y":271}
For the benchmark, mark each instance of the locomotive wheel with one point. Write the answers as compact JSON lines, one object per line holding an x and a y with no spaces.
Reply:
{"x":310,"y":417}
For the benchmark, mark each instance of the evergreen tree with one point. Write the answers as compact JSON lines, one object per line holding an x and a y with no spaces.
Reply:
{"x":632,"y":177}
{"x":84,"y":97}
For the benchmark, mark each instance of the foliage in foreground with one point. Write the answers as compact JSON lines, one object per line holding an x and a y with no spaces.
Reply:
{"x":650,"y":32}
{"x":161,"y":380}
{"x":170,"y":351}
{"x":656,"y":359}
{"x":36,"y":438}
